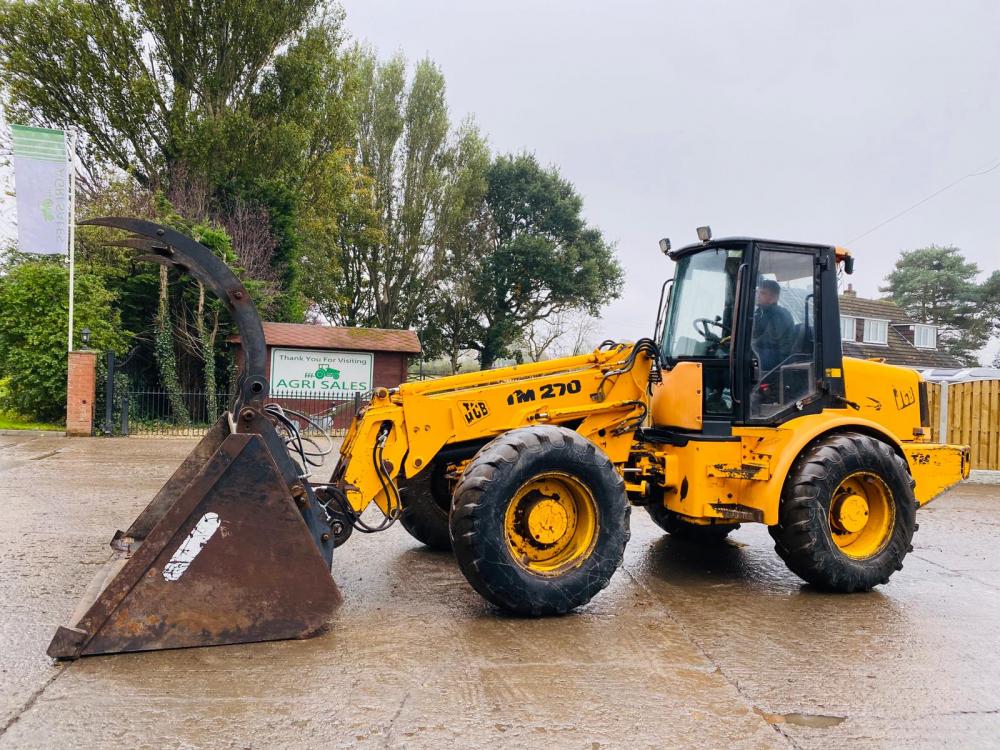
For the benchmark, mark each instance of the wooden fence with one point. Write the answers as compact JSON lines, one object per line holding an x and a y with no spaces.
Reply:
{"x":968,"y":414}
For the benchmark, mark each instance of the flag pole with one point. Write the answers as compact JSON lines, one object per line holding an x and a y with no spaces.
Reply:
{"x":72,"y":230}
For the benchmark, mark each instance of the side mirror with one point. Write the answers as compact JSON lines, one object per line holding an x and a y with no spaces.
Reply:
{"x":849,"y":265}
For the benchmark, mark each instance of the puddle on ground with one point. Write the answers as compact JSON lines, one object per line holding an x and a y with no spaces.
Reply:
{"x":814,"y":721}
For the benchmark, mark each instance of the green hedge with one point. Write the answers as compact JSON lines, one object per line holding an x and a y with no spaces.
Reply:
{"x":34,"y":311}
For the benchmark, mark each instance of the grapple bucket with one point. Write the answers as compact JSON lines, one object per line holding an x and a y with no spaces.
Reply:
{"x":234,"y":547}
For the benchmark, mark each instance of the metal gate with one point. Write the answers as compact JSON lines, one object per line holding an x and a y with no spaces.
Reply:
{"x":126,"y":406}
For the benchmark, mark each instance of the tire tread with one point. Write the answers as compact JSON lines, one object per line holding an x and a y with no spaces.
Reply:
{"x":495,"y":579}
{"x":802,"y":537}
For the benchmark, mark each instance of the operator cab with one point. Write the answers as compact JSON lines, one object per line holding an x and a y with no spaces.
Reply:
{"x":761,"y":318}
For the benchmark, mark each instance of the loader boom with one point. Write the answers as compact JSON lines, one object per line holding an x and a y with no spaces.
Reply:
{"x":601,"y":395}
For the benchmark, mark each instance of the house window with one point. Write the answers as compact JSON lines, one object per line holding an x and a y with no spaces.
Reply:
{"x":848,"y":328}
{"x":876,"y":331}
{"x":925,"y":337}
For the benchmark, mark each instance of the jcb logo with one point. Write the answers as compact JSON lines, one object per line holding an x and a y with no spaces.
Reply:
{"x":904,"y":398}
{"x":474,"y":410}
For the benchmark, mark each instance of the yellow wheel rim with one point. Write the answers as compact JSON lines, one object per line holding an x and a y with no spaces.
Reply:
{"x":551,"y":523}
{"x":862,"y":515}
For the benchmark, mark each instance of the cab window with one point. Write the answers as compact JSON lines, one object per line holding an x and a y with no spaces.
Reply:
{"x":700,"y":320}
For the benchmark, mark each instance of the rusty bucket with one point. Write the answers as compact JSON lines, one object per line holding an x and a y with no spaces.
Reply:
{"x":235,"y":547}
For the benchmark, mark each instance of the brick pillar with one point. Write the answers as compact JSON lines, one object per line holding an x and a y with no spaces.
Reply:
{"x":81,"y":389}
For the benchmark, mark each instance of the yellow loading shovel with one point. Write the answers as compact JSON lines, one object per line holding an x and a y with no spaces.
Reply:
{"x":235,"y":547}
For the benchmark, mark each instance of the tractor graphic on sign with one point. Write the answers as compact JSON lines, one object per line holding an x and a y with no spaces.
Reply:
{"x":327,"y":371}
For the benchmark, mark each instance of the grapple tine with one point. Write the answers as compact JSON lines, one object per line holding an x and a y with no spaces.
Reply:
{"x":197,"y":260}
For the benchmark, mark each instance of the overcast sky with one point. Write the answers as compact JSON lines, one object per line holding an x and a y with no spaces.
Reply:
{"x":789,"y":120}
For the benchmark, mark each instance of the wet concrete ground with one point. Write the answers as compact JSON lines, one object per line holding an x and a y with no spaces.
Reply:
{"x":687,"y":647}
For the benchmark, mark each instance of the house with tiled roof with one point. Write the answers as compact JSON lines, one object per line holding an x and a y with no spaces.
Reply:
{"x":875,"y":328}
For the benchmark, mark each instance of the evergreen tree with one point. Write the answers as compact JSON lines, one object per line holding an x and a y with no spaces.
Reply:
{"x":937,"y":285}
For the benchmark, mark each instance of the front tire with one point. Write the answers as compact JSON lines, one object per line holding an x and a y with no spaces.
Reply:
{"x":426,"y":505}
{"x":540,"y":521}
{"x":847,"y":514}
{"x":674,"y":524}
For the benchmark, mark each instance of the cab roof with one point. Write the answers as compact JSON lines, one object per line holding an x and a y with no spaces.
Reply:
{"x":725,"y":242}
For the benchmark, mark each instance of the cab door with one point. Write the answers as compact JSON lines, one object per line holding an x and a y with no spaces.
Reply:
{"x":787,"y":358}
{"x":699,"y":328}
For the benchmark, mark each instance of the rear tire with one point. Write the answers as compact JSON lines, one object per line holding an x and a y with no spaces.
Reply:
{"x":426,"y":506}
{"x":674,"y":524}
{"x":847,"y":514}
{"x":540,"y":521}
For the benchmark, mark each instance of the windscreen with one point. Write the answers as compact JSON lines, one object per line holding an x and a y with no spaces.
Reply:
{"x":700,"y":319}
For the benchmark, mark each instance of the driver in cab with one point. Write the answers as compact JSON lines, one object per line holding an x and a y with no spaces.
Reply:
{"x":773,"y":326}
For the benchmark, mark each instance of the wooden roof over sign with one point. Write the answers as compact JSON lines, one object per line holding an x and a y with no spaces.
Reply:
{"x":309,"y":336}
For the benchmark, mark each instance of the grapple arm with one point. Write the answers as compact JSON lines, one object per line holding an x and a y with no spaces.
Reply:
{"x":235,"y":547}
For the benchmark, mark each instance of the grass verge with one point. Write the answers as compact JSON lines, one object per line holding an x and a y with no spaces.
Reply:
{"x":10,"y":421}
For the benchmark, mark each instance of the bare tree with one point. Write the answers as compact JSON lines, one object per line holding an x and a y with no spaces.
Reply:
{"x":541,"y":335}
{"x":579,"y":335}
{"x":254,"y":242}
{"x":566,"y":333}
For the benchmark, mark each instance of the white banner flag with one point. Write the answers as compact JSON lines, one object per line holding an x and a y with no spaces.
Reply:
{"x":41,"y":185}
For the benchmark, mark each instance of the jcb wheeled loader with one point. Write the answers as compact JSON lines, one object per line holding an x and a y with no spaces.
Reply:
{"x":740,"y":409}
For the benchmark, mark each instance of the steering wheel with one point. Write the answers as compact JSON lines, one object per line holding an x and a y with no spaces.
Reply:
{"x":701,"y":326}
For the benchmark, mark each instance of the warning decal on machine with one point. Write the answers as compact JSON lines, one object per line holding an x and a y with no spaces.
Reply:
{"x":191,"y":546}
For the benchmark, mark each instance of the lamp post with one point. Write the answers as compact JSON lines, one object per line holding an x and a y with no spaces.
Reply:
{"x":85,"y":337}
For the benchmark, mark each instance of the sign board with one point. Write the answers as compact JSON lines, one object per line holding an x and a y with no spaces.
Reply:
{"x":308,"y":372}
{"x":42,"y":189}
